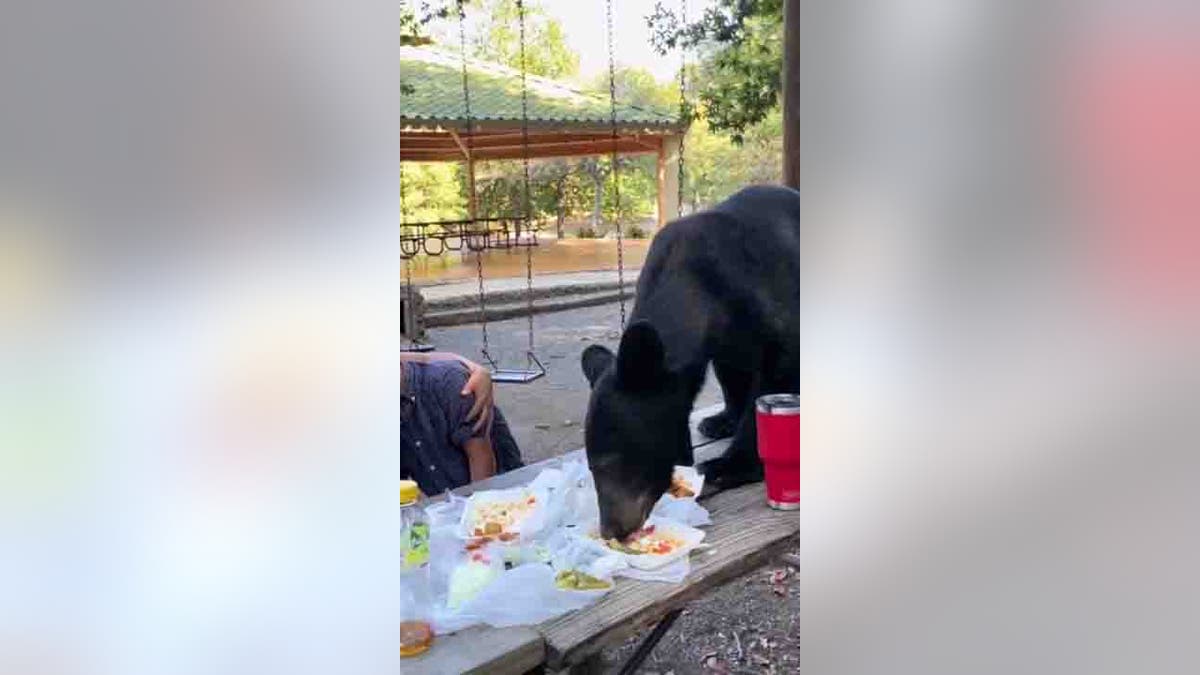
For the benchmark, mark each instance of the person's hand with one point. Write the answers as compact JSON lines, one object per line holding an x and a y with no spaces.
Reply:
{"x":479,"y":383}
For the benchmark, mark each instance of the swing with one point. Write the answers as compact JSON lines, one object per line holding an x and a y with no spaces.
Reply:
{"x":534,"y":368}
{"x":612,"y":100}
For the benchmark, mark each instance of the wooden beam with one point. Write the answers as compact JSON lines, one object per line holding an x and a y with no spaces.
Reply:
{"x":598,"y":126}
{"x":458,"y":141}
{"x":480,"y":141}
{"x":585,"y":149}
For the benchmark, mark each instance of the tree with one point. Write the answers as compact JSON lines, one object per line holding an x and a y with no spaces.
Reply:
{"x":741,"y":43}
{"x":432,"y":192}
{"x":546,"y":50}
{"x":637,"y":86}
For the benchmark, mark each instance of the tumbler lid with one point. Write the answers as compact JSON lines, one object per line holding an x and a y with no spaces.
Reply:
{"x":409,"y":492}
{"x":778,"y":404}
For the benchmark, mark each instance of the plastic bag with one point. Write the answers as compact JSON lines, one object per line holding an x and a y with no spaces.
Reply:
{"x":521,"y":596}
{"x":582,"y":504}
{"x":685,"y":511}
{"x":446,"y":513}
{"x":476,"y":571}
{"x":577,"y":554}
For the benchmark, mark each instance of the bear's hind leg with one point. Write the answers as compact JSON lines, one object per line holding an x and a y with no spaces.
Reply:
{"x":739,"y":464}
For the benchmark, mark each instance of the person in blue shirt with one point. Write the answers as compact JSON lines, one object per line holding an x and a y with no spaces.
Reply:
{"x":451,"y":432}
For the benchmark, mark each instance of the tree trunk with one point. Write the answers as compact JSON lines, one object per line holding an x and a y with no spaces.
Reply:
{"x":598,"y":179}
{"x":558,"y":205}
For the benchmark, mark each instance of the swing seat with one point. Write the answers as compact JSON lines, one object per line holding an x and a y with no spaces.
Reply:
{"x":516,"y":375}
{"x":418,"y":347}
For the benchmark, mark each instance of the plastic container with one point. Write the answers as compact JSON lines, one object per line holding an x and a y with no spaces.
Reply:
{"x":416,"y":597}
{"x":778,"y":421}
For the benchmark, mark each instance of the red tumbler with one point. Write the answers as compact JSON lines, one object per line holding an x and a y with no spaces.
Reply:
{"x":778,"y":417}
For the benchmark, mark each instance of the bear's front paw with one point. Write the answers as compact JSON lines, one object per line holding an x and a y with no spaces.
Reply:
{"x":723,"y":474}
{"x":721,"y":425}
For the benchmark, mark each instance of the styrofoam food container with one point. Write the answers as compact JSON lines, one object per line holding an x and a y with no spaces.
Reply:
{"x":690,"y":536}
{"x":530,"y":524}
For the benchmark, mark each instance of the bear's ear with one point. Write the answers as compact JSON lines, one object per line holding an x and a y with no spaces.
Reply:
{"x":641,"y":359}
{"x":595,"y":360}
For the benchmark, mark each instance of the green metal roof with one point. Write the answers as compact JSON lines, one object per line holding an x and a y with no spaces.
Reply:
{"x":437,"y":96}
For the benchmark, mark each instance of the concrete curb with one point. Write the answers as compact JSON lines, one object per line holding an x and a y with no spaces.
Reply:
{"x":471,"y":299}
{"x":465,"y":313}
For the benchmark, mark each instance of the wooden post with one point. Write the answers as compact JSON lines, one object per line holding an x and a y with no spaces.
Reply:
{"x":668,"y":179}
{"x":472,"y":205}
{"x":791,"y":93}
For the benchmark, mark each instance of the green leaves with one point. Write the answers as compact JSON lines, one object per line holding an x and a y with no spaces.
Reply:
{"x":546,"y":50}
{"x":740,"y":43}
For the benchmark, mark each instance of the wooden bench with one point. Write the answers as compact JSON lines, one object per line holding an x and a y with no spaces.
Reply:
{"x":744,"y":534}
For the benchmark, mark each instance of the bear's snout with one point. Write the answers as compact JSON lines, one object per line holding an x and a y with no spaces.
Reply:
{"x":623,"y":515}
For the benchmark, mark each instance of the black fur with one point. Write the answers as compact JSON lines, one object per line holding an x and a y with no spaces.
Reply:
{"x":720,"y":287}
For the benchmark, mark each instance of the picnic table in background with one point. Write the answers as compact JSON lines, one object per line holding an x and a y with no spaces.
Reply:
{"x":745,"y":534}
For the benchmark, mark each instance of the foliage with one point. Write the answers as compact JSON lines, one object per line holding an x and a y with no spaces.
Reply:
{"x":716,"y":167}
{"x":414,"y":16}
{"x":546,"y":50}
{"x":637,"y":86}
{"x":432,"y":191}
{"x":635,"y":232}
{"x":741,"y":42}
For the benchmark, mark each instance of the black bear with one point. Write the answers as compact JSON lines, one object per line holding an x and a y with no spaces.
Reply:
{"x":722,"y":287}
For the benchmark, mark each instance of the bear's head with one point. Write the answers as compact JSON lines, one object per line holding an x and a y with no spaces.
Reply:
{"x":636,"y":429}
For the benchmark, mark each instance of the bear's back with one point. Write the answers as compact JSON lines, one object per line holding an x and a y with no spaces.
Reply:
{"x":743,"y":251}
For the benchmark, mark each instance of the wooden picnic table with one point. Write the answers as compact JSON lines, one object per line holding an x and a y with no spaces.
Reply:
{"x":745,"y":533}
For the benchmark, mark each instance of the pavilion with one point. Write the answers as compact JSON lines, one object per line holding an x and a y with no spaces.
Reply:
{"x":562,"y":121}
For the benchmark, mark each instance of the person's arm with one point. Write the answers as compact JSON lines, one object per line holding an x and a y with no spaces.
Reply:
{"x":478,"y":384}
{"x":480,"y":458}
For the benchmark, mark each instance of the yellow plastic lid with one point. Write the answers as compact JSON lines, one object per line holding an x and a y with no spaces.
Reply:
{"x":408,"y":492}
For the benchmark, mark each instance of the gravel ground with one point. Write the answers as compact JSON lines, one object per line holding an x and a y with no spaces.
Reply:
{"x":750,"y":625}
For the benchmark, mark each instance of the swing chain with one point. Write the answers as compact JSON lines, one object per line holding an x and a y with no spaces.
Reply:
{"x":525,"y":160}
{"x":462,"y":46}
{"x":408,"y":261}
{"x":612,"y":99}
{"x":683,"y":106}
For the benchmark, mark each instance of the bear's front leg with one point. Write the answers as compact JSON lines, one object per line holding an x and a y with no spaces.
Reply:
{"x":739,"y":464}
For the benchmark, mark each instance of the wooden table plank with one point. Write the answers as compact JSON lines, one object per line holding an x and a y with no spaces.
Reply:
{"x":480,"y":649}
{"x":745,"y":534}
